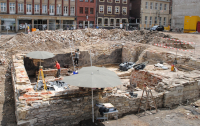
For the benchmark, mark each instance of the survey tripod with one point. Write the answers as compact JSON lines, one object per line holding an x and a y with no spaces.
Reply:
{"x":43,"y":79}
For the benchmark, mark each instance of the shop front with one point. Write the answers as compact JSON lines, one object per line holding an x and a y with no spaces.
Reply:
{"x":8,"y":25}
{"x":40,"y":24}
{"x":22,"y":25}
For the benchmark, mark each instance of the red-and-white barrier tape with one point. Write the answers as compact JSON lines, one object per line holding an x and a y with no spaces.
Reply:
{"x":184,"y":42}
{"x":160,"y":45}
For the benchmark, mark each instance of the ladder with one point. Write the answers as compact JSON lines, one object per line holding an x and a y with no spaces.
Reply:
{"x":71,"y":45}
{"x":147,"y":100}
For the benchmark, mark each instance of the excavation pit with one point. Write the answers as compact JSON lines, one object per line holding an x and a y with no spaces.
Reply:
{"x":71,"y":106}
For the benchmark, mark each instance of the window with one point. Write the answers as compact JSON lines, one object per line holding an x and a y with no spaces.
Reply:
{"x":72,"y":11}
{"x":124,"y":1}
{"x":165,"y":8}
{"x":99,"y":21}
{"x":155,"y":20}
{"x":58,"y":9}
{"x":65,"y":10}
{"x":81,"y":0}
{"x":156,"y":6}
{"x":37,"y":8}
{"x":164,"y":22}
{"x":91,"y":24}
{"x":117,"y":1}
{"x":51,"y":9}
{"x":112,"y":22}
{"x":151,"y":5}
{"x":91,"y":10}
{"x":101,"y":9}
{"x":44,"y":9}
{"x":146,"y":5}
{"x":20,"y":7}
{"x":86,"y":0}
{"x":150,"y":21}
{"x":124,"y":21}
{"x":117,"y":9}
{"x":106,"y":22}
{"x":109,"y":9}
{"x":117,"y":22}
{"x":3,"y":7}
{"x":124,"y":10}
{"x":145,"y":20}
{"x":12,"y":7}
{"x":28,"y":8}
{"x":109,"y":1}
{"x":160,"y":20}
{"x":160,"y":6}
{"x":91,"y":1}
{"x":81,"y":10}
{"x":86,"y":10}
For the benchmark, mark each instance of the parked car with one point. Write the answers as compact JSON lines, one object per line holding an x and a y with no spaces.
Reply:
{"x":157,"y":28}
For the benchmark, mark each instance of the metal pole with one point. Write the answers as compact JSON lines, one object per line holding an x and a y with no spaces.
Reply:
{"x":90,"y":58}
{"x":92,"y":107}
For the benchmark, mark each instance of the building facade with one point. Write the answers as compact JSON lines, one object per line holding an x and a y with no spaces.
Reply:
{"x":182,"y":8}
{"x":15,"y":15}
{"x":110,"y":13}
{"x":150,"y":12}
{"x":86,"y":13}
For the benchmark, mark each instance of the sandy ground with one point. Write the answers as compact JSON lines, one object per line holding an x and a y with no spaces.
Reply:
{"x":180,"y":116}
{"x":190,"y":38}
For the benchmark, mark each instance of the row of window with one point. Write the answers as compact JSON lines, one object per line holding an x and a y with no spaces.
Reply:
{"x":37,"y":9}
{"x":116,"y":1}
{"x":156,"y":6}
{"x":86,"y":10}
{"x":111,"y":21}
{"x":91,"y":1}
{"x":109,"y":10}
{"x":156,"y":20}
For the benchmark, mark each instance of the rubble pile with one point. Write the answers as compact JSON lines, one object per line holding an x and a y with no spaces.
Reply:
{"x":58,"y":40}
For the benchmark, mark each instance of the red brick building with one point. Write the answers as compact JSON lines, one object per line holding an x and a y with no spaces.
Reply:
{"x":85,"y":12}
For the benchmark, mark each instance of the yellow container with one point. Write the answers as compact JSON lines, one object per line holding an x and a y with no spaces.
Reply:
{"x":190,"y":23}
{"x":167,"y":28}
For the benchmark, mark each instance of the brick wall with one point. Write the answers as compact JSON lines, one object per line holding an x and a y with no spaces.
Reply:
{"x":138,"y":78}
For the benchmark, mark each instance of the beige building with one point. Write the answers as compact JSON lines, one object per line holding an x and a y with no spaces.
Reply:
{"x":16,"y":15}
{"x":150,"y":12}
{"x":154,"y":12}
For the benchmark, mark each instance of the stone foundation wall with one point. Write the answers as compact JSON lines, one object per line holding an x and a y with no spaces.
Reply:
{"x":126,"y":104}
{"x":181,"y":93}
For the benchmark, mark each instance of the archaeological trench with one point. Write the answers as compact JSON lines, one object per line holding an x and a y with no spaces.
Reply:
{"x":71,"y":106}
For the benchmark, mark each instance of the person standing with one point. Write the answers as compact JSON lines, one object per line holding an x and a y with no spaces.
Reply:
{"x":58,"y":67}
{"x":76,"y":57}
